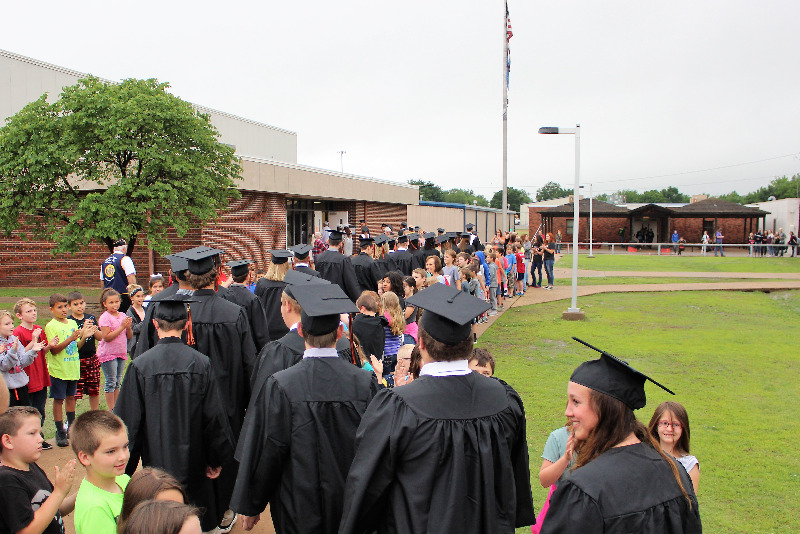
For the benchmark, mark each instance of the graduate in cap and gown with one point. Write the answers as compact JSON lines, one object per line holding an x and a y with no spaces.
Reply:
{"x":288,"y":350}
{"x":446,"y":453}
{"x":429,"y":249}
{"x":416,"y":251}
{"x":336,"y":268}
{"x":301,"y":259}
{"x":269,"y":290}
{"x":298,"y":440}
{"x":238,"y":293}
{"x":147,"y":332}
{"x":364,"y":265}
{"x":171,"y":403}
{"x":220,"y":330}
{"x":401,"y":260}
{"x":622,"y":481}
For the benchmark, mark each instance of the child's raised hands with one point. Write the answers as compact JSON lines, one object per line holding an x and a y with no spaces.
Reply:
{"x":65,"y":477}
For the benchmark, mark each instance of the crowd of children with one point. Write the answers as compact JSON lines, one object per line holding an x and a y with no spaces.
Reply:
{"x":171,"y":411}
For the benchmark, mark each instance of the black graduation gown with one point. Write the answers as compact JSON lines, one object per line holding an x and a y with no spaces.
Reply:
{"x":380,"y":267}
{"x":429,"y":252}
{"x":363,"y":265}
{"x":337,"y":269}
{"x":269,"y":293}
{"x":419,"y":258}
{"x":251,"y":304}
{"x":222,"y":332}
{"x":176,"y":421}
{"x":370,"y":333}
{"x":442,"y":454}
{"x":401,"y":260}
{"x":299,"y":441}
{"x":625,"y":489}
{"x":306,"y":270}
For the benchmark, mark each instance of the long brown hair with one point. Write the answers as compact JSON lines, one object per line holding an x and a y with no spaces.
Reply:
{"x":678,"y":413}
{"x":159,"y":517}
{"x":615,"y":422}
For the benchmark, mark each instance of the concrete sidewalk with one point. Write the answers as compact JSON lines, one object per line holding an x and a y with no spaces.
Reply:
{"x":566,"y":273}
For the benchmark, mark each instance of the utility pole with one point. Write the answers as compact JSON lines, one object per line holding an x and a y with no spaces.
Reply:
{"x":341,"y":159}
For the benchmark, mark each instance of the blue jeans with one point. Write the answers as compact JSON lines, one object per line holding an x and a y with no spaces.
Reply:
{"x":537,"y":266}
{"x":548,"y":268}
{"x":718,"y":248}
{"x":113,"y":370}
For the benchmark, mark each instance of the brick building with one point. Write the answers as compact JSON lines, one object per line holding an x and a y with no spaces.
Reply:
{"x":616,"y":224}
{"x":282,"y":202}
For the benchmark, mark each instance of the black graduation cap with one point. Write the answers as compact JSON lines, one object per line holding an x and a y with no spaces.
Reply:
{"x":281,"y":256}
{"x":429,"y":235}
{"x":448,"y":312}
{"x":301,"y":251}
{"x":173,"y":308}
{"x":413,"y":237}
{"x":451,"y":235}
{"x":402,"y":238}
{"x":178,"y":264}
{"x":470,"y":226}
{"x":458,"y":234}
{"x":336,"y":235}
{"x":440,"y":230}
{"x":416,"y":228}
{"x":366,"y":241}
{"x":240,"y":268}
{"x":201,"y":259}
{"x":391,"y":240}
{"x":380,"y":239}
{"x":383,"y":225}
{"x":296,"y":279}
{"x":614,"y":377}
{"x":404,"y":224}
{"x":442,"y":239}
{"x":364,"y":230}
{"x":321,"y":305}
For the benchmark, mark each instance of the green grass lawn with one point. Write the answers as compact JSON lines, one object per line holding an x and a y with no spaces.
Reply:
{"x":728,"y":264}
{"x":733,"y":361}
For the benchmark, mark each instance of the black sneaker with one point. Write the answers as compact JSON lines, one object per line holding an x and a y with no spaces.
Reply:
{"x":46,"y":446}
{"x":61,"y":438}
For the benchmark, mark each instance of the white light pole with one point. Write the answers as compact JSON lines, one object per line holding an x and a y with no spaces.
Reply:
{"x":341,"y":159}
{"x":573,"y":313}
{"x":591,"y":226}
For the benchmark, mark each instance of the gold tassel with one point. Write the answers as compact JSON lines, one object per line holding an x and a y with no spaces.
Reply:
{"x":189,"y":333}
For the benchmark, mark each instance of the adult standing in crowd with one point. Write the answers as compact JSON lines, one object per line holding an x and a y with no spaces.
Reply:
{"x":549,"y":259}
{"x":718,"y":237}
{"x":347,"y":241}
{"x":118,"y":271}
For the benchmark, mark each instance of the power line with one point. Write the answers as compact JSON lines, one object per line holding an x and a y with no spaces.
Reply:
{"x":699,"y":170}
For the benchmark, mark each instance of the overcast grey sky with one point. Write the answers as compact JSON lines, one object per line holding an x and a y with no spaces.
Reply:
{"x":414,"y":89}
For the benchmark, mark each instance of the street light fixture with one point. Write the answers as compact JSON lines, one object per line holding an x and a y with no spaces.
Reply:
{"x":573,"y":313}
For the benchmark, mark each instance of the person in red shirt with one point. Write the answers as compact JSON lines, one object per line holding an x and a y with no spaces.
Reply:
{"x":520,"y":264}
{"x":38,"y":375}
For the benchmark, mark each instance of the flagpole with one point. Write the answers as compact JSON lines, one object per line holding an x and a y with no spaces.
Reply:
{"x":504,"y":202}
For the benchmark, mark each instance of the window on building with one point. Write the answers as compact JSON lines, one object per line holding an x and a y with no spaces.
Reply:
{"x":569,"y":226}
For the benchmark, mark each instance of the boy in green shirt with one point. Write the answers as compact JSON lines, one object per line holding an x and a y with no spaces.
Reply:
{"x":63,"y":362}
{"x":100,"y":441}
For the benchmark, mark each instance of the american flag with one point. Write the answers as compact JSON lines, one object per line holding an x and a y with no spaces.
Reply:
{"x":509,"y":35}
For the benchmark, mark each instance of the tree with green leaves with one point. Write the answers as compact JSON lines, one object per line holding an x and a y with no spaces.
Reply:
{"x":516,"y":197}
{"x":465,"y":196}
{"x":428,"y":190}
{"x":112,"y":160}
{"x":552,"y":190}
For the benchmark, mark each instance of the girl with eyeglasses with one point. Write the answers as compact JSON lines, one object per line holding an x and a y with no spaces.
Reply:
{"x":670,"y":426}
